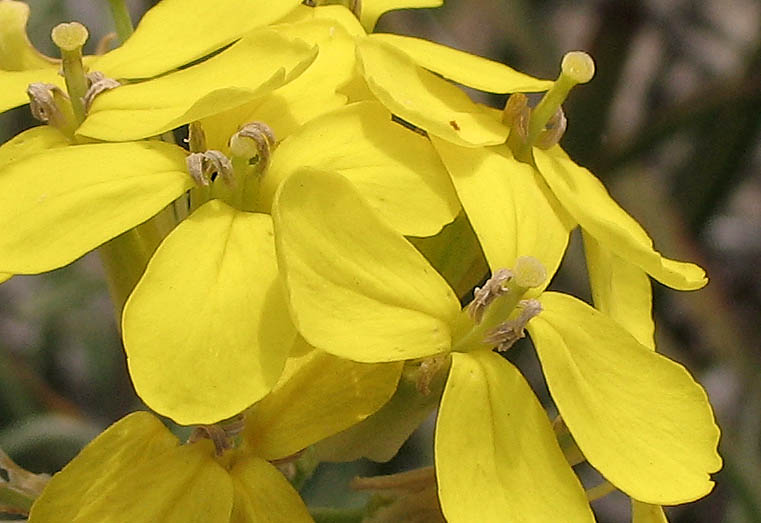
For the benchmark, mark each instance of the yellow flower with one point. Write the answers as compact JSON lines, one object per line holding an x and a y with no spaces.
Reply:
{"x":359,"y":290}
{"x":138,"y":471}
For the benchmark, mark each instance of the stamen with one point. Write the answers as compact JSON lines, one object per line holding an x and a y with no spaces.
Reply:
{"x":223,"y":434}
{"x":553,"y":131}
{"x":42,"y":101}
{"x":196,"y":139}
{"x":50,"y":105}
{"x":505,"y":335}
{"x":104,"y":44}
{"x":483,"y":296}
{"x":427,"y":371}
{"x":202,"y":166}
{"x":98,"y":83}
{"x":264,"y":142}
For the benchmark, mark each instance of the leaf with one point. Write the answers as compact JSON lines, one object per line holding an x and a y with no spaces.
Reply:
{"x":356,"y":288}
{"x":464,"y":68}
{"x":423,"y":99}
{"x":508,"y":205}
{"x":601,"y":217}
{"x":497,"y":458}
{"x":318,"y":395}
{"x":257,"y":64}
{"x":176,"y":32}
{"x":62,"y":203}
{"x":136,"y":471}
{"x":638,"y":417}
{"x":397,"y":171}
{"x":210,"y":294}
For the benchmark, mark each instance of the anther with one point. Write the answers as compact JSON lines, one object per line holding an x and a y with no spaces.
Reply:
{"x":98,"y":83}
{"x":427,"y":371}
{"x":483,"y":296}
{"x":506,"y":334}
{"x":553,"y":131}
{"x":50,"y":105}
{"x":254,"y":140}
{"x":223,"y":434}
{"x":196,"y":139}
{"x":42,"y":101}
{"x":202,"y":166}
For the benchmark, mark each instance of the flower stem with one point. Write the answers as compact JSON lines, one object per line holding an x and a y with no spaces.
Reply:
{"x":122,"y":20}
{"x":600,"y":491}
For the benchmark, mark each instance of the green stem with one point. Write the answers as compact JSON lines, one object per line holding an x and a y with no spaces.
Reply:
{"x":600,"y":491}
{"x":12,"y":499}
{"x":124,"y":259}
{"x":122,"y":20}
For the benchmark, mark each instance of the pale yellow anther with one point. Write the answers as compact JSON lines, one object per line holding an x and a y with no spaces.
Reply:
{"x":578,"y":66}
{"x":69,"y":36}
{"x":529,"y":272}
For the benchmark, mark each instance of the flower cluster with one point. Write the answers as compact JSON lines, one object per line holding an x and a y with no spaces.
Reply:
{"x":292,"y":278}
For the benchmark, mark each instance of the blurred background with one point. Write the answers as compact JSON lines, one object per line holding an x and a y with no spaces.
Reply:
{"x":671,"y":124}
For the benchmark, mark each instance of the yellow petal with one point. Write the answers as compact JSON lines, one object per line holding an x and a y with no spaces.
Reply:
{"x":13,"y":85}
{"x":381,"y":435}
{"x":508,"y":205}
{"x":638,"y":417}
{"x":16,"y":51}
{"x":262,"y":494}
{"x":620,"y":290}
{"x":308,"y":96}
{"x":67,"y":201}
{"x":357,"y":289}
{"x":30,"y":142}
{"x":424,"y":99}
{"x":176,"y":32}
{"x":210,"y":294}
{"x":318,"y":396}
{"x":464,"y":68}
{"x":373,"y":9}
{"x":644,"y":513}
{"x":394,"y":169}
{"x":599,"y":215}
{"x":5,"y":277}
{"x":254,"y":66}
{"x":497,"y":458}
{"x":136,"y":471}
